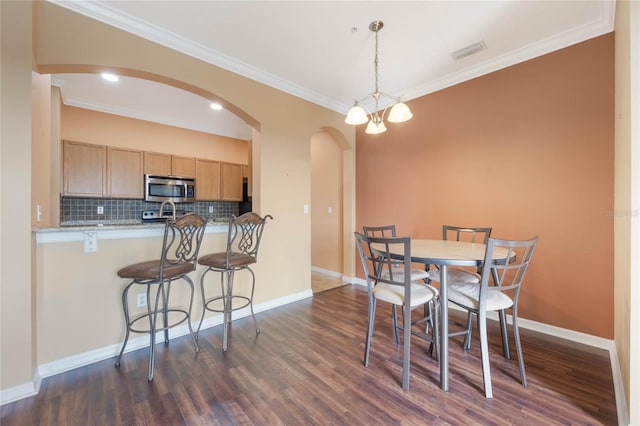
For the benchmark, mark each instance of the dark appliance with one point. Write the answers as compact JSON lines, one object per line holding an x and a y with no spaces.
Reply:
{"x":245,"y":206}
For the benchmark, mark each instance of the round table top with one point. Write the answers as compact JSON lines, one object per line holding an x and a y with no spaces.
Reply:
{"x":447,"y":252}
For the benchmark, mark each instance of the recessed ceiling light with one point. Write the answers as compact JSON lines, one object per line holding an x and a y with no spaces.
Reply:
{"x":216,"y":106}
{"x":110,"y":77}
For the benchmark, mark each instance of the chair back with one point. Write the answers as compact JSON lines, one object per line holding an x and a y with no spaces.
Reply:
{"x":471,"y":235}
{"x":506,"y":273}
{"x":245,"y":233}
{"x":182,"y":240}
{"x":376,"y":257}
{"x":380,"y":231}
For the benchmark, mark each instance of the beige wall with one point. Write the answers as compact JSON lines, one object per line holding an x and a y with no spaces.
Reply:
{"x":87,"y":302}
{"x":527,"y":150}
{"x":281,"y":153}
{"x":326,"y":193}
{"x":83,"y":125}
{"x":41,"y":149}
{"x":17,"y":316}
{"x":627,"y":202}
{"x":286,"y":125}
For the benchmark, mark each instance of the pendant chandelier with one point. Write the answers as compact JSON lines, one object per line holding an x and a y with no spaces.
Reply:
{"x":359,"y":114}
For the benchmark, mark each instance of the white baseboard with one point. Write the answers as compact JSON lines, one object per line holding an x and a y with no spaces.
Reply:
{"x":618,"y":387}
{"x":21,"y":391}
{"x":80,"y":360}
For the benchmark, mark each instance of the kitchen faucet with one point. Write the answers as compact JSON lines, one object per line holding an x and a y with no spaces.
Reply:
{"x":173,"y":206}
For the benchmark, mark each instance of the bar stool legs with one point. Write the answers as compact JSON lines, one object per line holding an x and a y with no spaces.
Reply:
{"x":226,"y":299}
{"x":157,"y":305}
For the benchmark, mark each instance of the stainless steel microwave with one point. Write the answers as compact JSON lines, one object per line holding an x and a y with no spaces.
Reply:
{"x":169,"y":188}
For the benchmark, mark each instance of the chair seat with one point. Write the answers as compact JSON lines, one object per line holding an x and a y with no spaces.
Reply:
{"x":398,"y":272}
{"x":420,"y":293}
{"x":150,"y":270}
{"x":455,"y":274}
{"x":467,"y":294}
{"x":219,"y":260}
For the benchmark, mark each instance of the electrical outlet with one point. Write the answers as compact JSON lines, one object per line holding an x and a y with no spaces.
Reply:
{"x":100,"y":210}
{"x":90,"y":241}
{"x":141,"y":299}
{"x":210,"y":209}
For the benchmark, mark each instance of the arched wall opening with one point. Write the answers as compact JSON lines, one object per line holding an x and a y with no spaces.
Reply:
{"x":52,"y":113}
{"x":331,"y":203}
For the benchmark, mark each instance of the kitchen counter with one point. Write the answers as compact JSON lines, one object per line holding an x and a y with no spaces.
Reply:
{"x":79,"y":231}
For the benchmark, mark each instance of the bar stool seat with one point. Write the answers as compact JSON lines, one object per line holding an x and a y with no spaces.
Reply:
{"x":221,"y":261}
{"x":179,"y":256}
{"x":243,"y":241}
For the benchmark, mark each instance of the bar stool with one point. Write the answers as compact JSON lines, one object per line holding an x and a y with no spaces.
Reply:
{"x":180,"y":246}
{"x":243,"y":241}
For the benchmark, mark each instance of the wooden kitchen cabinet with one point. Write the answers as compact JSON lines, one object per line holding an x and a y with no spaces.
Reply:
{"x":183,"y":166}
{"x":124,"y":173}
{"x":84,"y":169}
{"x":231,"y":181}
{"x":156,"y":163}
{"x":207,"y":180}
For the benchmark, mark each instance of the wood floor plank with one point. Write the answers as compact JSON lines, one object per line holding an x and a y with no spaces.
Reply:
{"x":306,"y":367}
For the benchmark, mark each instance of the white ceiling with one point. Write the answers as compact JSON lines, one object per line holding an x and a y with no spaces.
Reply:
{"x":323,"y":51}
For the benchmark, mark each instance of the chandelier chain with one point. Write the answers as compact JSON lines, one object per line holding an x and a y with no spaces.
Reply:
{"x":375,"y":62}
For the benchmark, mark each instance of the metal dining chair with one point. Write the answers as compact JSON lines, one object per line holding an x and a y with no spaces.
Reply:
{"x":416,"y":273}
{"x":459,"y":233}
{"x":471,"y":235}
{"x":386,"y":282}
{"x":178,"y":257}
{"x":498,"y":290}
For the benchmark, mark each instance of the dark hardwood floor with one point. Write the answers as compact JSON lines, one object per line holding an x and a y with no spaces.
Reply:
{"x":306,"y":367}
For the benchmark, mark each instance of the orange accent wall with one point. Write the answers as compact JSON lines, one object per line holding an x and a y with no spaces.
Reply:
{"x":527,"y":150}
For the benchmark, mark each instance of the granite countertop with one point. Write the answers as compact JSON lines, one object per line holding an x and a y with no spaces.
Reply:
{"x":129,"y":223}
{"x":75,"y":230}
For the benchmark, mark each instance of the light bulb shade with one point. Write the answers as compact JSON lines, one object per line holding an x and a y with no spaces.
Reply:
{"x":399,"y":112}
{"x":374,"y":129}
{"x":357,"y":115}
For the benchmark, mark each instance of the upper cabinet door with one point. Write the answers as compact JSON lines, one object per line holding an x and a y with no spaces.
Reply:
{"x":84,"y":169}
{"x":183,"y":166}
{"x":231,"y":177}
{"x":156,"y":163}
{"x":124,"y":173}
{"x":207,"y":180}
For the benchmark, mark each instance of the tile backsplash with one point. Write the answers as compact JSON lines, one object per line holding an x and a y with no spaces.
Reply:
{"x":84,"y":211}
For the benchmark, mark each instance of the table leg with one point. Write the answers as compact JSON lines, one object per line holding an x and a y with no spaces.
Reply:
{"x":444,"y":330}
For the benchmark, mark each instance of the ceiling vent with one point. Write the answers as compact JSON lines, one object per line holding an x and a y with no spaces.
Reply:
{"x":469,"y":50}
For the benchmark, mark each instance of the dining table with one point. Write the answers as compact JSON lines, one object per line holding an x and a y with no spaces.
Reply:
{"x":445,"y":253}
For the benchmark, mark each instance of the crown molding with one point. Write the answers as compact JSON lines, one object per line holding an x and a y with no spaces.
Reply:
{"x":100,"y":11}
{"x":559,"y":41}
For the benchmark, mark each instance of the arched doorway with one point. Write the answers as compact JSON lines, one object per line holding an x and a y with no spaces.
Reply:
{"x":327,"y":209}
